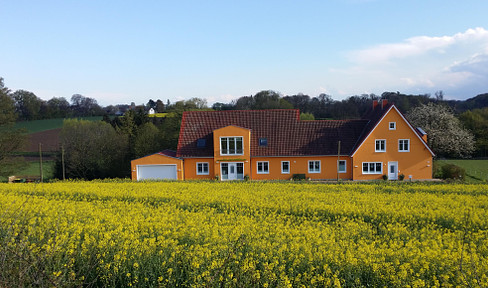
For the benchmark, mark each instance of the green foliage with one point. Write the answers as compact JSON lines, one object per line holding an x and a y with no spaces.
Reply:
{"x":28,"y":105}
{"x":298,"y":177}
{"x":147,"y":140}
{"x":454,"y":172}
{"x":477,"y":122}
{"x":93,"y":150}
{"x":306,"y":116}
{"x":11,"y":139}
{"x":476,"y":170}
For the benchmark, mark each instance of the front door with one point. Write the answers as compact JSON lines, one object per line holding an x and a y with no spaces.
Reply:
{"x":232,"y":171}
{"x":392,"y":170}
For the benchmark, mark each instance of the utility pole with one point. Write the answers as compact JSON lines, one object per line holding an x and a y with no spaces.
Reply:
{"x":40,"y":161}
{"x":62,"y":162}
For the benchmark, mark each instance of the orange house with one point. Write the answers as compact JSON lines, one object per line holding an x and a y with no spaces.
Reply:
{"x":276,"y":144}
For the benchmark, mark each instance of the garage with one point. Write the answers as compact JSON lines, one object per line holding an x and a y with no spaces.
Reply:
{"x":156,"y":172}
{"x":158,"y":166}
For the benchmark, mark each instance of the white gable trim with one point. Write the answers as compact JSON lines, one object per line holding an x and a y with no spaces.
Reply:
{"x":404,"y":119}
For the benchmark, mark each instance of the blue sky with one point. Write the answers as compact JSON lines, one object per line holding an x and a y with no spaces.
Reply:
{"x":132,"y":51}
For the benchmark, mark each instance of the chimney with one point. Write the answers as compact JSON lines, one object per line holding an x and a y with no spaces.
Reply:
{"x":383,"y":103}
{"x":375,"y":103}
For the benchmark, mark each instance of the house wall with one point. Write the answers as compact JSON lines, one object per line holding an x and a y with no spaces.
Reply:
{"x":299,"y":165}
{"x":230,"y":131}
{"x":191,"y":168}
{"x":417,"y":162}
{"x":157,"y":159}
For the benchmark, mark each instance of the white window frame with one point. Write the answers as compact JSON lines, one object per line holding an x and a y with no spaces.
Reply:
{"x":345,"y":166}
{"x":285,"y":172}
{"x":376,"y":145}
{"x":314,"y":171}
{"x":394,"y":126}
{"x":263,"y":171}
{"x":402,"y":146}
{"x":369,"y":165}
{"x":235,"y":145}
{"x":203,"y":164}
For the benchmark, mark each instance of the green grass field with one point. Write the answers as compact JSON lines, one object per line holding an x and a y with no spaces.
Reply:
{"x":48,"y":124}
{"x":476,"y":170}
{"x":32,"y":169}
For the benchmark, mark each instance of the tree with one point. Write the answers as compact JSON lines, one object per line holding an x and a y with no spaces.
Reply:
{"x":159,"y":106}
{"x":11,"y":139}
{"x":93,"y":149}
{"x":147,"y":140}
{"x":28,"y":105}
{"x":58,"y":107}
{"x":445,"y":135}
{"x":85,"y":106}
{"x":477,"y":122}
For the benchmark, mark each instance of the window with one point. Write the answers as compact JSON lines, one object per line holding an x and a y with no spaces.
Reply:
{"x":263,"y":167}
{"x":285,"y":167}
{"x":202,"y":168}
{"x":263,"y":141}
{"x":341,"y":166}
{"x":372,"y":167}
{"x":392,"y":126}
{"x":231,"y":146}
{"x":404,"y":145}
{"x":201,"y":143}
{"x":314,"y":166}
{"x":380,"y":146}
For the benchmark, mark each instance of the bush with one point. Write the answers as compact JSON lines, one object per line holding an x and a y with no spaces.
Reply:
{"x":401,"y":177}
{"x":296,"y":177}
{"x":385,"y":177}
{"x":451,"y":171}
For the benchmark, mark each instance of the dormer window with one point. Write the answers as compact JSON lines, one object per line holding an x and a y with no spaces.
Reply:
{"x":263,"y":142}
{"x":231,"y":146}
{"x":201,"y":143}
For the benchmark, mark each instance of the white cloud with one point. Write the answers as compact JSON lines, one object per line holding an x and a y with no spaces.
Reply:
{"x":457,"y":64}
{"x":418,"y":46}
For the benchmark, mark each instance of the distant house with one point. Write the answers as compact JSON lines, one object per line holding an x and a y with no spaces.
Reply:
{"x":276,"y":144}
{"x":151,"y":111}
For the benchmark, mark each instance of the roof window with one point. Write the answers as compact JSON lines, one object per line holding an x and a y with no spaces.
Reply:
{"x":263,"y":142}
{"x":201,"y":143}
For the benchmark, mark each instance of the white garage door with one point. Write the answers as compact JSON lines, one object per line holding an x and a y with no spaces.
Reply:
{"x":146,"y":172}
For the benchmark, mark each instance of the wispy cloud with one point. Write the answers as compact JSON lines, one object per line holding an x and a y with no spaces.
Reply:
{"x":457,"y":64}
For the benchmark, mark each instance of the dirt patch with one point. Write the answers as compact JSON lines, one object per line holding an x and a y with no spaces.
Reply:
{"x":49,"y":140}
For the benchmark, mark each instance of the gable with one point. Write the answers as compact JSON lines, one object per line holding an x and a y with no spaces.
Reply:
{"x":380,"y":129}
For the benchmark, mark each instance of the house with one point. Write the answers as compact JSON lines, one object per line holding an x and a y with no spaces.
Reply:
{"x":276,"y":144}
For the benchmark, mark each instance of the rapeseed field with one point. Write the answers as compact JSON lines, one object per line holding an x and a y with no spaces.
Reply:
{"x":244,"y":234}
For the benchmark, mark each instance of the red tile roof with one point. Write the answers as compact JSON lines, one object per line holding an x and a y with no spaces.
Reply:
{"x":286,"y":134}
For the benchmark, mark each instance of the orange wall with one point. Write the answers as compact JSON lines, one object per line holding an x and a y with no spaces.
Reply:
{"x":157,"y":159}
{"x":417,"y":162}
{"x":191,"y":168}
{"x":230,"y":131}
{"x":299,"y":165}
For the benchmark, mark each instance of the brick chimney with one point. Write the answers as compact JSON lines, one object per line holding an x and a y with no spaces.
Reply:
{"x":375,"y":103}
{"x":383,"y":103}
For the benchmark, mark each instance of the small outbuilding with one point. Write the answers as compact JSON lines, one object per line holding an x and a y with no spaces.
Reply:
{"x":163,"y":165}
